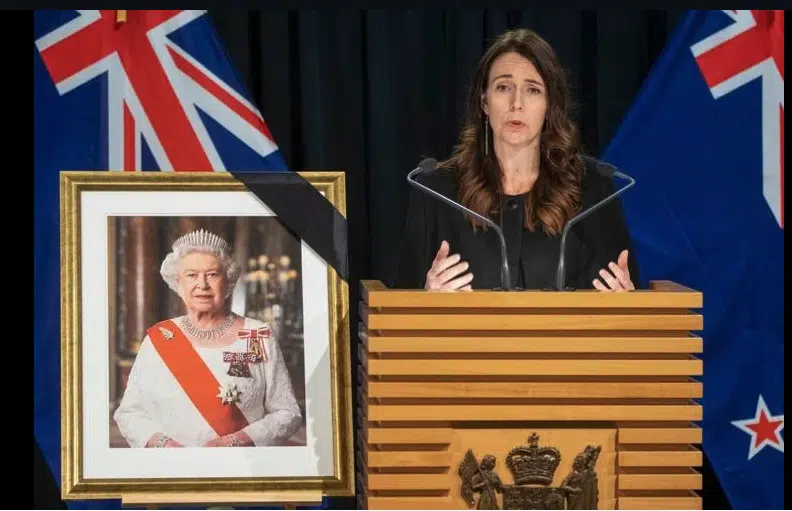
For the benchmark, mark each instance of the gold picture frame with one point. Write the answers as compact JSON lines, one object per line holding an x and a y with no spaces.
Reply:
{"x":74,"y":187}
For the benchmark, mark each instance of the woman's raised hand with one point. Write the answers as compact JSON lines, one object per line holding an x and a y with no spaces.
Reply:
{"x":444,"y":275}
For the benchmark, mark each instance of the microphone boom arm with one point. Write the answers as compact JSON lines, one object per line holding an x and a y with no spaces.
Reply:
{"x":561,"y":270}
{"x":505,"y":272}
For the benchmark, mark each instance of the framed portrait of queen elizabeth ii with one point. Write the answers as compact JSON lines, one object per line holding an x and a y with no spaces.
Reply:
{"x":204,"y":338}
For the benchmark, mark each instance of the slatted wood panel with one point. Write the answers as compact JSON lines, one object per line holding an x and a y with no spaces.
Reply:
{"x":533,"y":389}
{"x":658,"y":499}
{"x":558,"y":344}
{"x":533,"y":367}
{"x":659,"y":479}
{"x":430,"y":363}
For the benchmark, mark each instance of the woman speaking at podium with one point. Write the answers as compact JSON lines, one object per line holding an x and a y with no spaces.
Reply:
{"x":518,"y":162}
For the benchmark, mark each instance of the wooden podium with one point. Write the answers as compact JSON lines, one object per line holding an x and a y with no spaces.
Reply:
{"x":529,"y":400}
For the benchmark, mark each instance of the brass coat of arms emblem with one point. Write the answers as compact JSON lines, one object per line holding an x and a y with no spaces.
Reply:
{"x":532,"y":469}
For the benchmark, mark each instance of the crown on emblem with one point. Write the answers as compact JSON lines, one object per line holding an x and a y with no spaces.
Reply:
{"x":202,"y":238}
{"x":532,"y":465}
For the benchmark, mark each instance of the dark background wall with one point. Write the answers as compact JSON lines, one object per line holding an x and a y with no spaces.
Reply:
{"x":372,"y":92}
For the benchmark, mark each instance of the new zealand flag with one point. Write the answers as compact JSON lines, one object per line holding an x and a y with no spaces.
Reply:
{"x":705,"y":141}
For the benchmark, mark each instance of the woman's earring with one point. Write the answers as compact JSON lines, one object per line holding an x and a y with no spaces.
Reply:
{"x":486,"y":134}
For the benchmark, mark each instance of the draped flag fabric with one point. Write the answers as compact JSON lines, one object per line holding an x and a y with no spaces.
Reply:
{"x":142,"y":90}
{"x":705,"y":143}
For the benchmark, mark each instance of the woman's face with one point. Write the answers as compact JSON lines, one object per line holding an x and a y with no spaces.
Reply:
{"x":515,"y":100}
{"x":202,"y":282}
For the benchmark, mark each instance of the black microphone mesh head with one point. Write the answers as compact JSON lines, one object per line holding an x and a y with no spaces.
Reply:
{"x":604,"y":168}
{"x":428,"y":164}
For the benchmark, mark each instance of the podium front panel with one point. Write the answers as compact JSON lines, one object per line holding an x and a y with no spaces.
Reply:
{"x":487,"y":400}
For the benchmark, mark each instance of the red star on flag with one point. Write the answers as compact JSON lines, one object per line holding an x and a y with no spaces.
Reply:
{"x":764,"y":429}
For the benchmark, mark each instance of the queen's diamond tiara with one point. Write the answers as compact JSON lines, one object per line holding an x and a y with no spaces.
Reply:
{"x":202,"y":238}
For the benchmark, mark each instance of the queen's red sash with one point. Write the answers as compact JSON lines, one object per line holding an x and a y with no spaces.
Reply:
{"x":195,"y":378}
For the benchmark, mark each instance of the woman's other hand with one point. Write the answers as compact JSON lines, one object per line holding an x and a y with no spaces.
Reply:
{"x":444,"y":275}
{"x":618,"y":278}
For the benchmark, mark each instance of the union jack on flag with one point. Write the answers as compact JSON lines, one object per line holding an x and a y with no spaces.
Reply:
{"x":752,"y":47}
{"x":148,"y":90}
{"x":165,"y":79}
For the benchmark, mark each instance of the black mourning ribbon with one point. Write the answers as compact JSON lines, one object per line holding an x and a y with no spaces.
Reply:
{"x":304,"y":210}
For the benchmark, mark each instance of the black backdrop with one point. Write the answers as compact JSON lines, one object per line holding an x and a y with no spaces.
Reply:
{"x":372,"y":92}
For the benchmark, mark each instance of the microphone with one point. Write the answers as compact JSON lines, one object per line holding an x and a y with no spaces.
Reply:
{"x":430,"y":163}
{"x":608,"y":170}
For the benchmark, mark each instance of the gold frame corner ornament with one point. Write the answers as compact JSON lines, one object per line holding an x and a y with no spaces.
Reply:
{"x":73,"y":485}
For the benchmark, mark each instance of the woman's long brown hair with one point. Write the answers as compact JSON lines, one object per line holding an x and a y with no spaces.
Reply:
{"x":555,"y":196}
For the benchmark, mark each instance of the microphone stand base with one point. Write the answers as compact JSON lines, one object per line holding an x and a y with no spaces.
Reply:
{"x":568,"y":288}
